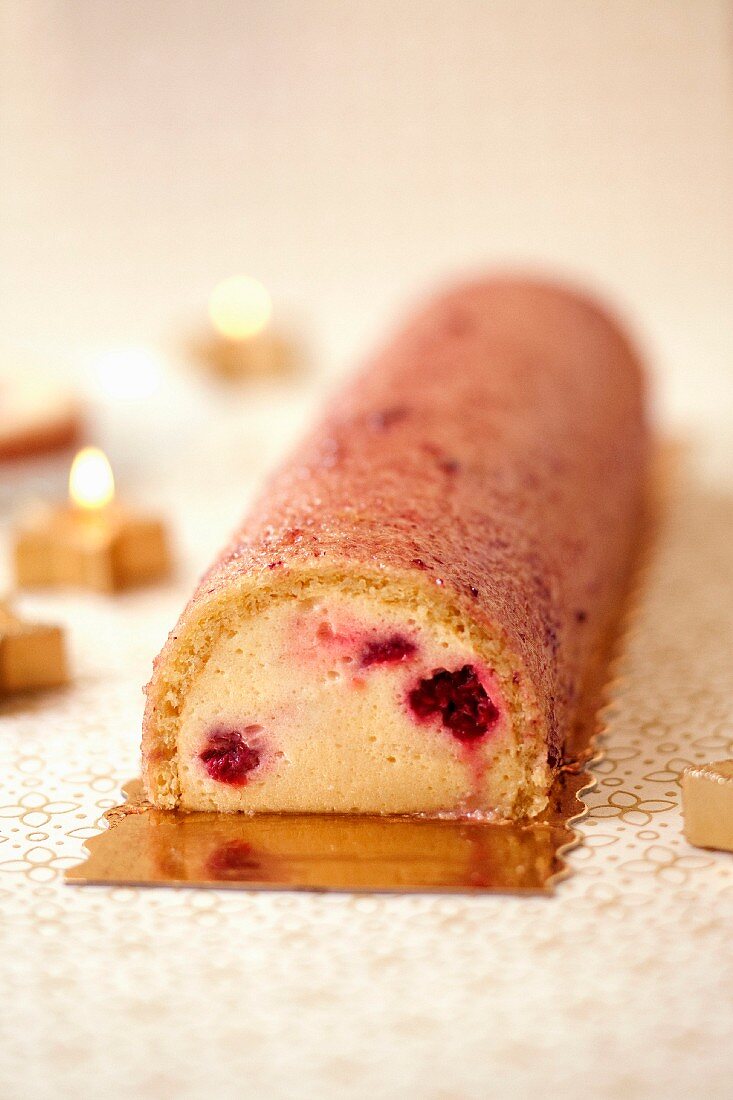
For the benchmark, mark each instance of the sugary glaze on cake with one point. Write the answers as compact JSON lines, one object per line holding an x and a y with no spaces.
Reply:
{"x":405,"y":621}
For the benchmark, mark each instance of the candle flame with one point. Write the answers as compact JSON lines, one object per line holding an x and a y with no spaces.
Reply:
{"x":91,"y":483}
{"x":240,"y":307}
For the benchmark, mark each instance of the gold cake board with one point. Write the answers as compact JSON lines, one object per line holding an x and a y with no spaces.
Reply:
{"x":325,"y":852}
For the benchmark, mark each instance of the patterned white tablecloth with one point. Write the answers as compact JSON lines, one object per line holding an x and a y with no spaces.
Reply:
{"x":620,"y":985}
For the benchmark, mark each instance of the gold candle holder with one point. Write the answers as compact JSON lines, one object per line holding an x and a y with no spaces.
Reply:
{"x":242,"y":342}
{"x":92,"y":542}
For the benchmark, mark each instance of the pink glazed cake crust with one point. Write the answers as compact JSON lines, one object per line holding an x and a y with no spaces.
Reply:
{"x":495,"y":452}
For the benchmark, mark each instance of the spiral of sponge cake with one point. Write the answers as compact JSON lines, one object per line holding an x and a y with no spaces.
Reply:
{"x":407,"y":617}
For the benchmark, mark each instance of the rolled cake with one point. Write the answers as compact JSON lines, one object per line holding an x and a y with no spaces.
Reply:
{"x":410,"y":615}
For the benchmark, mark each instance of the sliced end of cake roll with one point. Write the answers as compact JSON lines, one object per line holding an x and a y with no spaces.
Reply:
{"x":343,"y":692}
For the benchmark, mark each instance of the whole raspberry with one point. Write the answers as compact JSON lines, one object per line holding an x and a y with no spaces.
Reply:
{"x":459,"y":698}
{"x":227,"y":756}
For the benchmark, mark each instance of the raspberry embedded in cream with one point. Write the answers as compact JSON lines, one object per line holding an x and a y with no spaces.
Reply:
{"x":388,"y":651}
{"x":458,"y":699}
{"x":229,"y":755}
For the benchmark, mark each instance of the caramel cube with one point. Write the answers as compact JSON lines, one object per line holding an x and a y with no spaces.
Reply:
{"x":707,"y":802}
{"x":32,"y":655}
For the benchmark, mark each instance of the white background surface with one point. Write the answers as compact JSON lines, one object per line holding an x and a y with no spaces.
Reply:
{"x":351,"y":155}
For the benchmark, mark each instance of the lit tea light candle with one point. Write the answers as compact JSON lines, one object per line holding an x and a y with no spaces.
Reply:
{"x":32,"y":655}
{"x":93,"y":542}
{"x":91,"y":481}
{"x":243,"y":341}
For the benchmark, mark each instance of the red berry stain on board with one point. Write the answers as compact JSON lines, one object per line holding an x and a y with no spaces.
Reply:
{"x":389,"y":651}
{"x":459,"y":698}
{"x":234,"y":860}
{"x":228,"y":758}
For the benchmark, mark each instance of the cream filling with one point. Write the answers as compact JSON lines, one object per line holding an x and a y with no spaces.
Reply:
{"x":334,"y":735}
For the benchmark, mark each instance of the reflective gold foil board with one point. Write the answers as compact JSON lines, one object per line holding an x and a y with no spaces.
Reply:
{"x":148,"y":847}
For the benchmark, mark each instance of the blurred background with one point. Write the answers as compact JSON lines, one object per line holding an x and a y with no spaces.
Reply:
{"x":350,"y":155}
